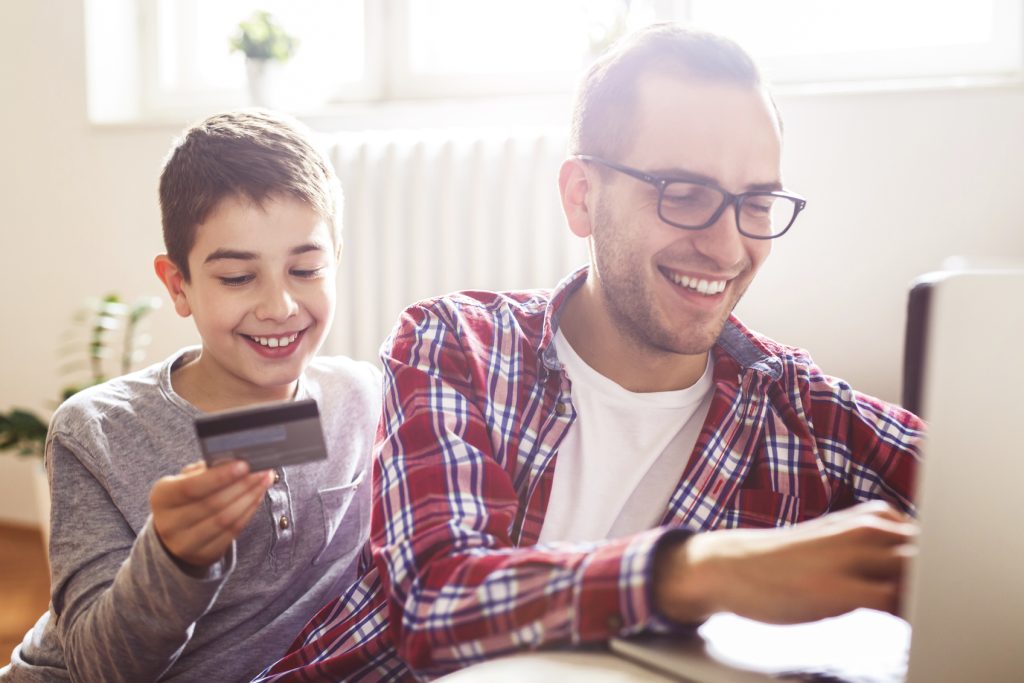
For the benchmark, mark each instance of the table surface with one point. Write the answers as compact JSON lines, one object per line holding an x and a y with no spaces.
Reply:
{"x":591,"y":666}
{"x":863,"y":645}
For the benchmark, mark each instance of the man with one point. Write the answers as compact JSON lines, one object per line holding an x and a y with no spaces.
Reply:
{"x":547,"y":459}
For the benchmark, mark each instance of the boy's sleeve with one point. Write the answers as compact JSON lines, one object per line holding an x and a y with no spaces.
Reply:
{"x":124,"y":609}
{"x":458,"y":588}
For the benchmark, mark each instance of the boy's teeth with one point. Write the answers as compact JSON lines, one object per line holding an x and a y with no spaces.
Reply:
{"x":274,"y":342}
{"x":708,"y":287}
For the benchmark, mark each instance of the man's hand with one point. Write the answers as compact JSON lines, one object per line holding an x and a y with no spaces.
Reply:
{"x":819,"y":568}
{"x":199,"y":512}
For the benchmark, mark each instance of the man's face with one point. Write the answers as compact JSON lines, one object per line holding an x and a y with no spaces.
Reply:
{"x":262,"y":294}
{"x":648,"y":272}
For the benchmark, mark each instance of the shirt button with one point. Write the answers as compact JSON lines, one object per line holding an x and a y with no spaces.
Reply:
{"x":283,"y":523}
{"x":614,"y":623}
{"x":560,"y":409}
{"x":277,"y":476}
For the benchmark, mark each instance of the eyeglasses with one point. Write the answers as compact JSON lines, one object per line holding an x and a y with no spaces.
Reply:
{"x":697,"y":204}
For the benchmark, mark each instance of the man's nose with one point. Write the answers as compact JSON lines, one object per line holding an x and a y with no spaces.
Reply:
{"x":721,"y":241}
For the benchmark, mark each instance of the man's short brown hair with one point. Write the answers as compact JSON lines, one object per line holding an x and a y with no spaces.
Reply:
{"x":251,"y":154}
{"x":602,"y":116}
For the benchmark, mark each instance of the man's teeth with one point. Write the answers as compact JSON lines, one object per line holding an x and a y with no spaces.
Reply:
{"x":708,"y":287}
{"x":274,"y":342}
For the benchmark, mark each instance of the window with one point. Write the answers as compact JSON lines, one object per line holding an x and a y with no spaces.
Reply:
{"x":473,"y":47}
{"x":186,"y":51}
{"x":172,"y":55}
{"x":829,"y":40}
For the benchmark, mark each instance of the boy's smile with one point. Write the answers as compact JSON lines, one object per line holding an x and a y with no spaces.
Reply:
{"x":275,"y":346}
{"x":262,"y":294}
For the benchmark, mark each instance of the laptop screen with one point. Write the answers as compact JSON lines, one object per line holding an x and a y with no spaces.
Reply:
{"x":965,"y":373}
{"x":914,"y":350}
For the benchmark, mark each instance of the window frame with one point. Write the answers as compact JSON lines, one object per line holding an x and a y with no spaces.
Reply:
{"x":389,"y":76}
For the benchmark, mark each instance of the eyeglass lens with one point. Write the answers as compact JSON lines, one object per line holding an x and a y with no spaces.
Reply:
{"x":692,"y":205}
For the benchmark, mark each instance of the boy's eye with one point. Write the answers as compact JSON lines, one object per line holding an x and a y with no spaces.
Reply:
{"x":236,"y":280}
{"x":307,"y":272}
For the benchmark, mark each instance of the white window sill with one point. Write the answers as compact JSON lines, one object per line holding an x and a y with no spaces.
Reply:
{"x":528,"y":110}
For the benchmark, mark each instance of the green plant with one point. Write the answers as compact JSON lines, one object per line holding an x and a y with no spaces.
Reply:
{"x":261,"y":37}
{"x":24,"y":430}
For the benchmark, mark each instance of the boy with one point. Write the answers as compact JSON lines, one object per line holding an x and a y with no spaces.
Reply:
{"x":162,"y":567}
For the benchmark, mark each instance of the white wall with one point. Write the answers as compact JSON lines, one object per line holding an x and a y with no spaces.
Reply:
{"x":895,"y":181}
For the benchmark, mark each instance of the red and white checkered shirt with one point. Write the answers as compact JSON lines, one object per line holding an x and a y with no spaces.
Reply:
{"x":475,"y":406}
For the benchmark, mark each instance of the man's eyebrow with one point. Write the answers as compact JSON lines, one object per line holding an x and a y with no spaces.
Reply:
{"x":239,"y":255}
{"x":684,"y":174}
{"x":765,"y":187}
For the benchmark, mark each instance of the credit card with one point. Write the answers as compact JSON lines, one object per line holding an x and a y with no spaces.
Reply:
{"x":268,"y":435}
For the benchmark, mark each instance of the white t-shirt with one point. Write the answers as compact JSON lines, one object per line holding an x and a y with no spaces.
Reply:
{"x":623,"y":456}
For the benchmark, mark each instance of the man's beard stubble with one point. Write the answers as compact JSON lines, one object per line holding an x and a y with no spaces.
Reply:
{"x":622,"y":291}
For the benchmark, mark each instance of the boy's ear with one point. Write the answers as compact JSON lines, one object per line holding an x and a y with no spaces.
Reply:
{"x":574,"y":186}
{"x":174,"y":281}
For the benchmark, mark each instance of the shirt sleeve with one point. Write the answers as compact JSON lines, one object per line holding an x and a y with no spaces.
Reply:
{"x":870,"y":449}
{"x":124,"y":609}
{"x":458,"y":588}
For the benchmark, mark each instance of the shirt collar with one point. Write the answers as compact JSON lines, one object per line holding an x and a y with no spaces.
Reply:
{"x":553,"y":311}
{"x":747,"y":349}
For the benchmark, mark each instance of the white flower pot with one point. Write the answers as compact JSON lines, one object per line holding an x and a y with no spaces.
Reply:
{"x":265,"y":82}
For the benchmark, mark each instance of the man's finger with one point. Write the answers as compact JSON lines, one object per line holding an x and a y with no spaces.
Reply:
{"x":880,"y":595}
{"x":866,"y":532}
{"x":885,"y":563}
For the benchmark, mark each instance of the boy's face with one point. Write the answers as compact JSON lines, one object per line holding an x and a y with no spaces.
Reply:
{"x":262,"y":294}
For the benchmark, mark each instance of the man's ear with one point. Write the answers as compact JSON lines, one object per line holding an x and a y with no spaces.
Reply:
{"x":174,"y":281}
{"x":574,"y":186}
{"x":339,"y":248}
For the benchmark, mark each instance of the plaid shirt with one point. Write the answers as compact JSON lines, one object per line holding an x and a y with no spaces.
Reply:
{"x":475,"y":406}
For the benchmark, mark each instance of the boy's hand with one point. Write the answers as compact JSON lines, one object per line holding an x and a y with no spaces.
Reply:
{"x":819,"y":568}
{"x":199,"y":512}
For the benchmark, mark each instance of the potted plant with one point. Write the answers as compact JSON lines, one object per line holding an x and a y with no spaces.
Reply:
{"x":89,"y":355}
{"x":263,"y":41}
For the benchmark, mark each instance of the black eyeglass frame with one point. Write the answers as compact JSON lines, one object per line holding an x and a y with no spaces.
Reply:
{"x":728,"y":198}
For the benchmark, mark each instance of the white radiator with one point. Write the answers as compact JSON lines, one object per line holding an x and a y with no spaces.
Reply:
{"x":430,"y":212}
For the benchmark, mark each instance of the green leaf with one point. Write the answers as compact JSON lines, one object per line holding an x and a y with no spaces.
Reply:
{"x":23,"y":430}
{"x":85,"y":351}
{"x":261,"y":37}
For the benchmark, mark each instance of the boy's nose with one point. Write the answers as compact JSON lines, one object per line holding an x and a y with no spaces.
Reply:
{"x":276,"y":303}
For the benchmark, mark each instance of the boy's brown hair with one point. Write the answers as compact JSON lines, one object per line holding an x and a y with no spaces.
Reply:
{"x":253,"y":154}
{"x":602,"y":117}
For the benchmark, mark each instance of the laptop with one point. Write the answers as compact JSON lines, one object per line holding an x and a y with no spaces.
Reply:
{"x":964,"y":373}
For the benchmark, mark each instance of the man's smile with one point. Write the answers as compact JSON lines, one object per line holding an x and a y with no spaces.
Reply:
{"x":701,"y":284}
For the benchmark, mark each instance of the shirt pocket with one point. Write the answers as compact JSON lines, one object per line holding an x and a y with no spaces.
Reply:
{"x":762,"y":509}
{"x":345,"y":519}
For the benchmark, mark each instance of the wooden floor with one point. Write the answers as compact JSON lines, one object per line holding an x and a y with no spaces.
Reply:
{"x":24,"y":584}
